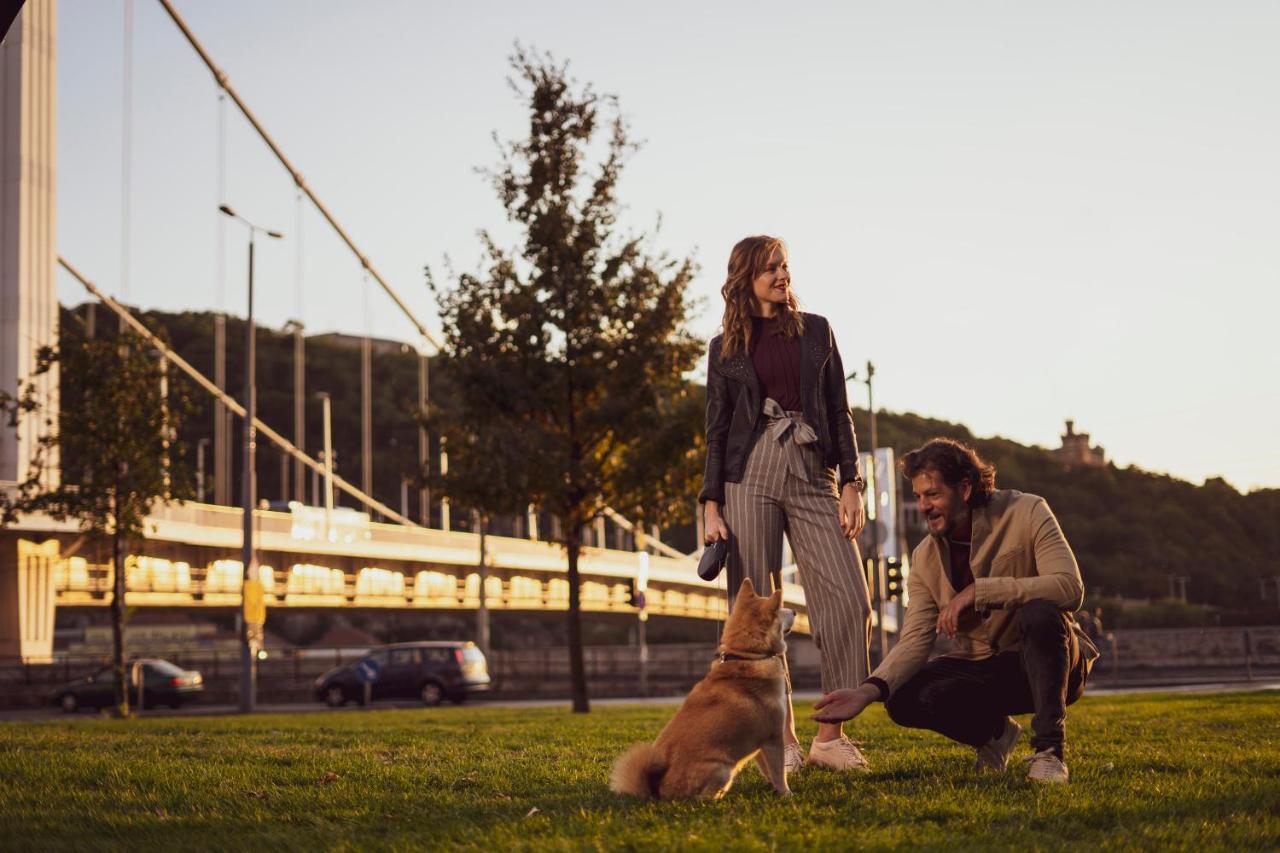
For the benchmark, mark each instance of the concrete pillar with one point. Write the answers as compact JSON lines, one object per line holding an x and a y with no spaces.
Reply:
{"x":28,"y":248}
{"x":27,"y":597}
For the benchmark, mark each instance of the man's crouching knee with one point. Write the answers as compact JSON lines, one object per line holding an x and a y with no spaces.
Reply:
{"x":1042,"y":619}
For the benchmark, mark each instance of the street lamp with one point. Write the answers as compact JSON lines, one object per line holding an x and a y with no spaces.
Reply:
{"x":248,"y":660}
{"x":880,"y":586}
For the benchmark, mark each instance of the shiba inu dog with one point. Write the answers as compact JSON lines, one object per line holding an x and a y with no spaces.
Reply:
{"x":732,"y":715}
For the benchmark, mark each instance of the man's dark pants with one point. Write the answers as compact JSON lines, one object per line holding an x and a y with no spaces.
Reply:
{"x":968,"y":700}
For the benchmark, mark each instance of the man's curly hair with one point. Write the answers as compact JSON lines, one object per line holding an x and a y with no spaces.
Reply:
{"x":955,"y":462}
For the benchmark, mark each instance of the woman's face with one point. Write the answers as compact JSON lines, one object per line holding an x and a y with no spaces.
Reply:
{"x":773,"y":285}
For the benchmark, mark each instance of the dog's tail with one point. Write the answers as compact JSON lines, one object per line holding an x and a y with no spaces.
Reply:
{"x":638,"y":772}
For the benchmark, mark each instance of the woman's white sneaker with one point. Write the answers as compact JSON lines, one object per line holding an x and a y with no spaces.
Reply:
{"x":838,"y":754}
{"x":1046,"y":767}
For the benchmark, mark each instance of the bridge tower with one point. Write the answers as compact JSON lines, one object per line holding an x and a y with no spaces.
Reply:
{"x":28,"y":299}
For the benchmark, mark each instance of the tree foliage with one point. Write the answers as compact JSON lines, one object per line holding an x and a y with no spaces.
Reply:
{"x":565,"y":351}
{"x":116,"y":448}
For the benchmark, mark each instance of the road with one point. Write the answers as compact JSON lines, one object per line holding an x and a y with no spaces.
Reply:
{"x":198,"y":710}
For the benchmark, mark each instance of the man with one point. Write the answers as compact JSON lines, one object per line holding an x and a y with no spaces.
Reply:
{"x":997,"y":577}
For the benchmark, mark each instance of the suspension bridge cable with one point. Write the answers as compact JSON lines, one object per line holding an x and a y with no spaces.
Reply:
{"x":220,"y":262}
{"x":127,"y":319}
{"x":366,"y":389}
{"x":220,"y":77}
{"x":299,"y":357}
{"x":126,"y":150}
{"x":298,"y":263}
{"x":221,"y":418}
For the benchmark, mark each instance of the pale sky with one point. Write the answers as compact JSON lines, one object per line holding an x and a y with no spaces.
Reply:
{"x":1020,"y":211}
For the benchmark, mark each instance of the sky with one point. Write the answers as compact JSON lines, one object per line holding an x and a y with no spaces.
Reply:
{"x":1021,"y":212}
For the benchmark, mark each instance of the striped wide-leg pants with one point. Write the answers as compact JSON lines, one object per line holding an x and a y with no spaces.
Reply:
{"x":786,"y":487}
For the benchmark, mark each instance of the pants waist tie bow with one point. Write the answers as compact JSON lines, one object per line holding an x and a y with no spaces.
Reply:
{"x":792,"y":433}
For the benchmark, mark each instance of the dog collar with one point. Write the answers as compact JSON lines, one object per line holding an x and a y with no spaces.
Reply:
{"x":725,"y":657}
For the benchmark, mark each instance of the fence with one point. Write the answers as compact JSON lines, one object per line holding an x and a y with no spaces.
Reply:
{"x":287,"y":675}
{"x":1129,"y":657}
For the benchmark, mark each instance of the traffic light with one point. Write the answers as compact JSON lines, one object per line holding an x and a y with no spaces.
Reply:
{"x":893,"y":578}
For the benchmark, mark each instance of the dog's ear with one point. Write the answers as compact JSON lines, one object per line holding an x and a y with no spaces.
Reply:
{"x":775,"y":600}
{"x":747,"y":588}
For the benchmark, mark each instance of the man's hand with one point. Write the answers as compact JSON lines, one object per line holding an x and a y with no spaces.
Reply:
{"x":845,"y":703}
{"x":949,"y":618}
{"x":853,"y":514}
{"x":713,"y":525}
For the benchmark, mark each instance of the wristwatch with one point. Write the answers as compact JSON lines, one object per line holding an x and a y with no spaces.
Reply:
{"x":858,"y":483}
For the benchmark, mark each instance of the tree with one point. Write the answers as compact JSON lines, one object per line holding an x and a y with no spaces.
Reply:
{"x":660,"y":474}
{"x":560,"y":351}
{"x":485,"y":472}
{"x":114,"y":435}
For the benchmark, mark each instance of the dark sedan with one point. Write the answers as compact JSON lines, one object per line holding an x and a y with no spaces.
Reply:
{"x":428,"y":671}
{"x":163,"y":683}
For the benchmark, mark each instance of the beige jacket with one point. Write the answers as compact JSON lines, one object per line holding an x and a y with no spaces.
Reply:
{"x":1018,"y":553}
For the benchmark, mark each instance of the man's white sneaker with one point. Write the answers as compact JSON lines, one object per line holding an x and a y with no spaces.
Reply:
{"x":793,"y":758}
{"x":994,"y":754}
{"x":838,"y":754}
{"x":1046,"y":767}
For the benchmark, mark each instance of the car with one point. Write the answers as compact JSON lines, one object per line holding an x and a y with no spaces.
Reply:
{"x":429,"y":671}
{"x":163,"y":683}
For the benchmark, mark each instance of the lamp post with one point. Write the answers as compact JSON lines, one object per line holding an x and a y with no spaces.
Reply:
{"x":880,"y":587}
{"x":248,"y":663}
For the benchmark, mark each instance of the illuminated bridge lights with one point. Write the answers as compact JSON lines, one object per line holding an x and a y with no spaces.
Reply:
{"x":158,"y":581}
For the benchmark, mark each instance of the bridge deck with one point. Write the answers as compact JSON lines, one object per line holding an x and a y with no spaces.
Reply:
{"x":186,"y":562}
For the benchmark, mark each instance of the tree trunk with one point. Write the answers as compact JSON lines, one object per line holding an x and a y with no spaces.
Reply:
{"x":577,"y":672}
{"x":482,"y":613}
{"x":117,"y":627}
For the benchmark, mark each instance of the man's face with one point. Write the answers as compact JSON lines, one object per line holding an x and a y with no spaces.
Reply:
{"x":944,"y":507}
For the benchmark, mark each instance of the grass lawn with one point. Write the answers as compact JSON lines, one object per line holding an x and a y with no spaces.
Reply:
{"x":1151,"y":771}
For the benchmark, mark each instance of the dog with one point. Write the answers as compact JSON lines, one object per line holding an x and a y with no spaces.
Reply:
{"x":735,"y":713}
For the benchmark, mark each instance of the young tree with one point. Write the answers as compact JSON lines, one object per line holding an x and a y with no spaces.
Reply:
{"x":114,"y":435}
{"x":485,"y":472}
{"x":564,"y":346}
{"x":660,"y":474}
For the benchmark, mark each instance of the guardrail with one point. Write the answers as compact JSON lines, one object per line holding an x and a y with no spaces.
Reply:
{"x":1135,"y":657}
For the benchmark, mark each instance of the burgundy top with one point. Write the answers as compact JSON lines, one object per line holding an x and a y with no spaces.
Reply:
{"x":958,"y":546}
{"x":961,"y":574}
{"x":777,"y":363}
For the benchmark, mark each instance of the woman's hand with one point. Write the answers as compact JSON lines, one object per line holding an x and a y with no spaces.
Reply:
{"x":713,"y":526}
{"x":853,"y":514}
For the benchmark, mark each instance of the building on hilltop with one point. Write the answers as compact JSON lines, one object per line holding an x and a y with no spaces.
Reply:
{"x":1075,"y":451}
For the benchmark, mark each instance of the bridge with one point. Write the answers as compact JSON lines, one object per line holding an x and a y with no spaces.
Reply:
{"x":370,"y":555}
{"x":367,"y":564}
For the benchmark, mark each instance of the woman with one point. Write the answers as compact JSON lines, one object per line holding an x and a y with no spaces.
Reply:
{"x":778,"y":427}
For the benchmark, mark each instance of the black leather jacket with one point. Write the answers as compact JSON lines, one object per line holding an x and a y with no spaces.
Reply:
{"x":734,"y":404}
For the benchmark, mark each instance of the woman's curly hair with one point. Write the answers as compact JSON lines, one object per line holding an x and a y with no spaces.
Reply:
{"x":747,"y":260}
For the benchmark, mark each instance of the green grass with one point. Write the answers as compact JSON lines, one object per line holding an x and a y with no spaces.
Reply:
{"x":1152,"y":771}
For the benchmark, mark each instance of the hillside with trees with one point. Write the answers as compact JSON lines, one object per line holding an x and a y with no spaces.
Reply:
{"x":1130,"y":529}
